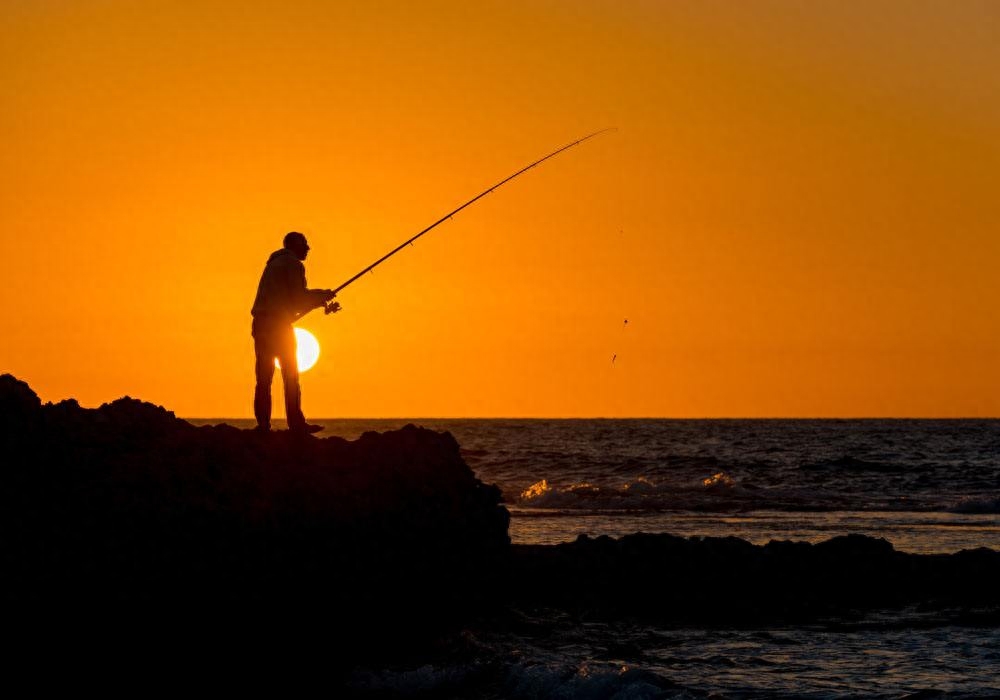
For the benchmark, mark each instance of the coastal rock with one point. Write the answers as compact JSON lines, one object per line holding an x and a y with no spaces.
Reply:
{"x":20,"y":409}
{"x":726,"y":580}
{"x":128,"y":502}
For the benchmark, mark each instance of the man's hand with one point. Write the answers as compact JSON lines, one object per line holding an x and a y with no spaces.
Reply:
{"x":329,"y":294}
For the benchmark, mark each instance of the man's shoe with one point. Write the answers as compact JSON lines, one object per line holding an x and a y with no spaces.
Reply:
{"x":306,"y":428}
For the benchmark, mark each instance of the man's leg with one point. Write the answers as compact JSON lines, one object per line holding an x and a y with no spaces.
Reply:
{"x":264,"y":369}
{"x":290,"y":377}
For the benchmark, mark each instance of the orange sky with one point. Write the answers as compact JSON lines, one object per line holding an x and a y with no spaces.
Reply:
{"x":798,"y":214}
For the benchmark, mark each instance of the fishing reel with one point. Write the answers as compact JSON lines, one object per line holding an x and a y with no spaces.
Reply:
{"x":331,"y":307}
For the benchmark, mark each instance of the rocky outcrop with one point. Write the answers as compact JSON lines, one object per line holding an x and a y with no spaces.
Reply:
{"x":726,"y":580}
{"x":127,"y":501}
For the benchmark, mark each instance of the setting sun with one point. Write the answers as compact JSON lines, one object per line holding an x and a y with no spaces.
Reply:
{"x":307,"y":350}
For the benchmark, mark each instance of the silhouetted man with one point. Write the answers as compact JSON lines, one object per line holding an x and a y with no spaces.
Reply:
{"x":282,"y":296}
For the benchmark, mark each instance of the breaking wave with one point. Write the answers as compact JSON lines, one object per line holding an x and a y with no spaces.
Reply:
{"x":719,"y":491}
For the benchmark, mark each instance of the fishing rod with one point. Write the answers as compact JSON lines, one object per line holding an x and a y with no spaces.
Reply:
{"x":333,"y":306}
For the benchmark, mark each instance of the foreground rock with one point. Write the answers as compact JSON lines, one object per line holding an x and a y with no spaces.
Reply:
{"x":129,"y":502}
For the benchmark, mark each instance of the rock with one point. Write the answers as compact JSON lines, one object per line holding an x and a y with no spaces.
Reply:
{"x":20,"y":412}
{"x":724,"y":581}
{"x":128,"y":502}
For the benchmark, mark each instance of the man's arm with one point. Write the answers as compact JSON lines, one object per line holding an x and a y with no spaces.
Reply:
{"x":304,"y":299}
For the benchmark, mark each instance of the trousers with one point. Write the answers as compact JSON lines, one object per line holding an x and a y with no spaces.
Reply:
{"x":276,"y":341}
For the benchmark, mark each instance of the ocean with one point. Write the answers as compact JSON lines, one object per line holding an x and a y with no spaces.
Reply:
{"x":926,"y":486}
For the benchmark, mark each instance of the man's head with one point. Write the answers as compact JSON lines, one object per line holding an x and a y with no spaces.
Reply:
{"x":296,"y":242}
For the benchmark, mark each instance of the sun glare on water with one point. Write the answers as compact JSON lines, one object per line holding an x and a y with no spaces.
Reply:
{"x":307,"y":349}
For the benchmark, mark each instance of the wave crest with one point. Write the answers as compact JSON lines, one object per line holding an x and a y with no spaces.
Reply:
{"x":719,"y":479}
{"x":536,"y":490}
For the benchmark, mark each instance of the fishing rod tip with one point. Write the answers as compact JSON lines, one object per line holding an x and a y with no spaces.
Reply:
{"x":599,"y":132}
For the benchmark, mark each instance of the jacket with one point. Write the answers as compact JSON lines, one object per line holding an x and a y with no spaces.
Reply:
{"x":282,"y":294}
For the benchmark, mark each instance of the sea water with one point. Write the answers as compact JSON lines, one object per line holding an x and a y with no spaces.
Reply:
{"x":927,"y":486}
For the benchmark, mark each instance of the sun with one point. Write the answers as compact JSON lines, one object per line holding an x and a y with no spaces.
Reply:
{"x":307,"y":349}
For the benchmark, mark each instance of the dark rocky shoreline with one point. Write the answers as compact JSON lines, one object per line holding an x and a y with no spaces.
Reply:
{"x":128,"y":504}
{"x":726,"y":580}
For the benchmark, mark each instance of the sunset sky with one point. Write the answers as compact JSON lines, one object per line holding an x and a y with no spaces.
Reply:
{"x":799,"y":213}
